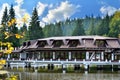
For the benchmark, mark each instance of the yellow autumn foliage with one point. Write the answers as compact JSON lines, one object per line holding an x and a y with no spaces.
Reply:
{"x":7,"y":34}
{"x":2,"y":62}
{"x":9,"y":47}
{"x":9,"y":50}
{"x":12,"y":77}
{"x":25,"y":18}
{"x":11,"y":22}
{"x":18,"y":36}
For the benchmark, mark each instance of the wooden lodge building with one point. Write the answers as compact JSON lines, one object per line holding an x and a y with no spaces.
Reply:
{"x":70,"y":48}
{"x":73,"y":50}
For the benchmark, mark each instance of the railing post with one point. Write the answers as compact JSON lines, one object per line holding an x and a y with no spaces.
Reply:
{"x":20,"y":56}
{"x":53,"y":55}
{"x":17,"y":65}
{"x":112,"y":56}
{"x":75,"y":59}
{"x":58,"y":59}
{"x":69,"y":55}
{"x":43,"y":59}
{"x":106,"y":60}
{"x":8,"y":56}
{"x":87,"y":55}
{"x":102,"y":55}
{"x":39,"y":56}
{"x":50,"y":59}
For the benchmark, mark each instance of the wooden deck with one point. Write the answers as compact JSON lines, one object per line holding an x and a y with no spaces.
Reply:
{"x":38,"y":63}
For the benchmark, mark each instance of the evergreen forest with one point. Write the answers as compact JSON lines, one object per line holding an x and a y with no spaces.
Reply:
{"x":89,"y":25}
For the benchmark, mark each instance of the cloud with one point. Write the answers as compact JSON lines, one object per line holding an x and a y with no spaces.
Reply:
{"x":63,"y":11}
{"x":103,"y":3}
{"x":20,"y":13}
{"x":108,"y":10}
{"x":19,"y":2}
{"x":40,"y":8}
{"x":51,"y":6}
{"x":55,"y":13}
{"x":2,"y":9}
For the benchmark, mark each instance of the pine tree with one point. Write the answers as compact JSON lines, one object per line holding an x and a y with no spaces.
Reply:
{"x":103,"y":28}
{"x":35,"y":31}
{"x":92,"y":29}
{"x":58,"y":29}
{"x":48,"y":30}
{"x":115,"y":25}
{"x":4,"y":25}
{"x":79,"y":30}
{"x":23,"y":31}
{"x":12,"y":29}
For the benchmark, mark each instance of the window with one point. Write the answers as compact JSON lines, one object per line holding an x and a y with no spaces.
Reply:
{"x":73,"y":43}
{"x":29,"y":43}
{"x":42,"y":43}
{"x":100,"y":43}
{"x":24,"y":44}
{"x":58,"y":43}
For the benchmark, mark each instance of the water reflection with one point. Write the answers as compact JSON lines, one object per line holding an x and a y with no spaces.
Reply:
{"x":67,"y":76}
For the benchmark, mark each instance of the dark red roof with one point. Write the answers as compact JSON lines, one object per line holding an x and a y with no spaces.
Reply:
{"x":82,"y":42}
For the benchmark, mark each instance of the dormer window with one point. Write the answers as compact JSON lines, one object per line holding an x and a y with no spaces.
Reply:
{"x":24,"y":44}
{"x":41,"y":43}
{"x":58,"y":43}
{"x":113,"y":43}
{"x":28,"y":44}
{"x":73,"y":43}
{"x":100,"y":43}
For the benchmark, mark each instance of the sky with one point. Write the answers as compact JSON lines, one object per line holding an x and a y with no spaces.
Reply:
{"x":51,"y":11}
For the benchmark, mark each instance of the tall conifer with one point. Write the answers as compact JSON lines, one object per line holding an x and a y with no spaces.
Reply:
{"x":35,"y":30}
{"x":4,"y":24}
{"x":12,"y":27}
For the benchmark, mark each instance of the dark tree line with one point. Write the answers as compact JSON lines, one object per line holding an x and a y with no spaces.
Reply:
{"x":107,"y":26}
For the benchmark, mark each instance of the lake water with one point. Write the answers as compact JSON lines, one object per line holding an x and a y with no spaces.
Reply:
{"x":67,"y":76}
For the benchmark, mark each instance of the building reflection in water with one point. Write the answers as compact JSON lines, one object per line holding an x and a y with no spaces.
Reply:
{"x":67,"y":76}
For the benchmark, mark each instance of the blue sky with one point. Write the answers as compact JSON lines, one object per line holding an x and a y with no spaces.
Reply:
{"x":51,"y":11}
